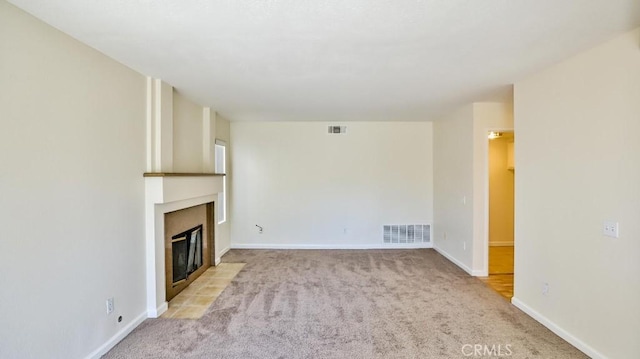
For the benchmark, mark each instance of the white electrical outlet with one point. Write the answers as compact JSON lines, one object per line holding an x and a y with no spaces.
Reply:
{"x":110,"y":305}
{"x":545,"y":289}
{"x":611,"y":229}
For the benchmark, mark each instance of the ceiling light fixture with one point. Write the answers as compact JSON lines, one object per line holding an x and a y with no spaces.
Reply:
{"x":493,"y":135}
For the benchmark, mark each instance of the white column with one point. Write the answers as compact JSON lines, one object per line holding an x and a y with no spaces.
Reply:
{"x":208,"y":139}
{"x":159,"y":126}
{"x":150,"y":127}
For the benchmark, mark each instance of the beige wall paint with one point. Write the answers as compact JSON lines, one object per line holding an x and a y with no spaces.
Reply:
{"x":578,"y":165}
{"x":461,"y":182}
{"x":187,"y":134}
{"x":486,"y":116}
{"x":310,"y":189}
{"x":501,"y":182}
{"x":453,"y":186}
{"x":194,"y":132}
{"x":72,"y":141}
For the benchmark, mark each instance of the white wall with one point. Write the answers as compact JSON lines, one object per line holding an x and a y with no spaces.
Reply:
{"x":187,"y":135}
{"x":72,"y":193}
{"x":578,"y":165}
{"x":453,"y":186}
{"x":311,"y":189}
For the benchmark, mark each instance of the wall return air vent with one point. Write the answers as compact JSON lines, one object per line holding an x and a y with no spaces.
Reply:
{"x":337,"y":129}
{"x":406,"y":233}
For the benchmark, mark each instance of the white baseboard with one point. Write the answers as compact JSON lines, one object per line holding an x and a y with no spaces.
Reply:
{"x":500,"y":244}
{"x":460,"y":264}
{"x":480,"y":273}
{"x":329,"y":246}
{"x":222,"y":253}
{"x":582,"y":346}
{"x":104,"y":348}
{"x":472,"y":272}
{"x":156,"y":312}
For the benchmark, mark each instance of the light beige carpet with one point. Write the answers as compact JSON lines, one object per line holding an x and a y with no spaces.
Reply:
{"x":348,"y":304}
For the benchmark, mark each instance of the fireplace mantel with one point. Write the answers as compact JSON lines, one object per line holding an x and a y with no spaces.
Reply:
{"x":168,"y":192}
{"x":181,"y":174}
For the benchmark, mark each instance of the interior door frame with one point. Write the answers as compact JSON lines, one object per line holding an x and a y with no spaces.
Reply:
{"x":485,"y":239}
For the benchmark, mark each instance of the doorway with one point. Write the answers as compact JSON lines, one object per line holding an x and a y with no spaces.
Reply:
{"x":501,"y":173}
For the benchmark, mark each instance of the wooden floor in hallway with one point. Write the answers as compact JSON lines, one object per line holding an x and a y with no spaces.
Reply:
{"x":500,"y":276}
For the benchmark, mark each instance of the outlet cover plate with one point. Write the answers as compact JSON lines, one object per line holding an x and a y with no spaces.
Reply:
{"x":611,"y":229}
{"x":110,"y":305}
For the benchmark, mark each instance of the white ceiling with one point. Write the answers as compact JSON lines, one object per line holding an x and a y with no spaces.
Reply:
{"x":338,"y":59}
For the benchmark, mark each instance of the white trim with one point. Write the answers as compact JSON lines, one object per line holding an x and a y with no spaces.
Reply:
{"x":109,"y":344}
{"x":480,"y":273}
{"x":156,"y":313}
{"x":485,"y":210}
{"x":454,"y":260}
{"x":157,"y":112}
{"x":485,"y":236}
{"x":207,"y":162}
{"x":222,"y":253}
{"x":329,"y":246}
{"x":149,"y":122}
{"x":562,"y":333}
{"x":501,"y":244}
{"x":162,"y":195}
{"x":221,"y":167}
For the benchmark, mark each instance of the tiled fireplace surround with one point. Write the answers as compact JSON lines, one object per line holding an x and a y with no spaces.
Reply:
{"x":167,"y":193}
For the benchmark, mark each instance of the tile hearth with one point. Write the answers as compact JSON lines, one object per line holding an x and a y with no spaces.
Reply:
{"x":194,"y":300}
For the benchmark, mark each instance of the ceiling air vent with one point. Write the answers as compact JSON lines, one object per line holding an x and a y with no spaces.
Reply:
{"x":338,"y":129}
{"x":406,"y":233}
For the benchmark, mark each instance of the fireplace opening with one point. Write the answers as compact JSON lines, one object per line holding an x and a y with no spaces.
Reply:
{"x":189,"y":246}
{"x":187,"y":253}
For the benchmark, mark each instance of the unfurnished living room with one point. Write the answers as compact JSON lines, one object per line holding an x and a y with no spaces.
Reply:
{"x":319,"y":179}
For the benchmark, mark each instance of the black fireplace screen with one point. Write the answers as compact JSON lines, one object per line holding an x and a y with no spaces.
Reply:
{"x":186,"y":248}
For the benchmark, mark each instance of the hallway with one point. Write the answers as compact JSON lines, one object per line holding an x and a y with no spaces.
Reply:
{"x":500,"y":276}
